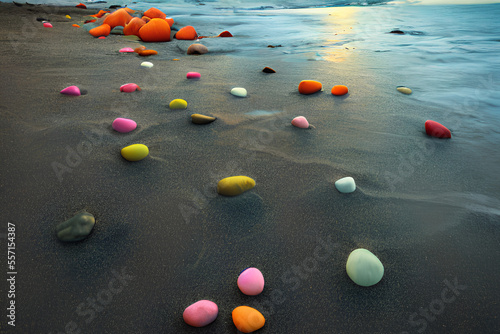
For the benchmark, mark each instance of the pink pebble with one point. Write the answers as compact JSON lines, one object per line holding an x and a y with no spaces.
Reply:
{"x":124,"y":125}
{"x":127,"y":50}
{"x":201,"y":313}
{"x":193,"y":75}
{"x":300,"y":122}
{"x":251,"y":281}
{"x":71,"y":90}
{"x":47,"y":25}
{"x":129,"y":88}
{"x":101,"y":37}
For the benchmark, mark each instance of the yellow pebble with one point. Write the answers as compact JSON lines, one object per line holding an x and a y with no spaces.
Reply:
{"x":178,"y":104}
{"x":404,"y":90}
{"x":135,"y":152}
{"x":68,"y":17}
{"x":235,"y":185}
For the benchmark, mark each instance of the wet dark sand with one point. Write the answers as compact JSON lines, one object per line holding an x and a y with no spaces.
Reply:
{"x":162,"y":228}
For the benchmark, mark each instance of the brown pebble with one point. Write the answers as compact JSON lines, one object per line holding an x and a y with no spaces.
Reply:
{"x":268,"y":70}
{"x":197,"y":49}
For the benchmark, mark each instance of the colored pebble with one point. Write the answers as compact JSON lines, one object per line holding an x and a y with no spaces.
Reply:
{"x":155,"y":13}
{"x":186,"y":33}
{"x":156,"y":30}
{"x":120,"y":17}
{"x":309,"y":87}
{"x":268,"y":70}
{"x":340,"y":90}
{"x":239,"y":91}
{"x":133,"y":27}
{"x":126,"y":50}
{"x":101,"y":37}
{"x":146,"y":53}
{"x":202,"y":119}
{"x":178,"y":104}
{"x":247,"y":319}
{"x":438,"y":130}
{"x":345,"y":185}
{"x":225,"y":33}
{"x":197,"y":49}
{"x":193,"y":75}
{"x":201,"y":313}
{"x":364,"y":268}
{"x":135,"y":152}
{"x":235,"y":185}
{"x":102,"y":30}
{"x":147,"y":64}
{"x":124,"y":125}
{"x":81,"y":5}
{"x":76,"y":25}
{"x":47,"y":25}
{"x":129,"y":88}
{"x":76,"y":228}
{"x":300,"y":122}
{"x":71,"y":90}
{"x":404,"y":90}
{"x":68,"y":17}
{"x":251,"y":282}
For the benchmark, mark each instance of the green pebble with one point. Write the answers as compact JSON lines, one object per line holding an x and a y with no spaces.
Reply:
{"x":76,"y":228}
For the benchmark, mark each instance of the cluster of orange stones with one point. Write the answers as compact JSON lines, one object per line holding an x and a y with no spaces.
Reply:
{"x":153,"y":26}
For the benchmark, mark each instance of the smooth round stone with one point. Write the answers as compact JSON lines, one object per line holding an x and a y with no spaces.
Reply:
{"x":251,"y":281}
{"x":129,"y":88}
{"x":202,"y":119}
{"x":300,"y":122}
{"x":404,"y":90}
{"x":197,"y":49}
{"x":201,"y":313}
{"x":47,"y":25}
{"x":247,"y":319}
{"x":435,"y":129}
{"x":193,"y":75}
{"x":126,"y":50}
{"x":235,"y":185}
{"x":124,"y":125}
{"x":178,"y":104}
{"x":268,"y":70}
{"x":76,"y":228}
{"x":71,"y":90}
{"x":135,"y":152}
{"x":364,"y":268}
{"x":345,"y":185}
{"x":147,"y":64}
{"x":239,"y":91}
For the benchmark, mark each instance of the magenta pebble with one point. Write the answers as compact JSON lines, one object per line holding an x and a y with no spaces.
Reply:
{"x":193,"y":75}
{"x":201,"y":313}
{"x":251,"y":281}
{"x":124,"y":125}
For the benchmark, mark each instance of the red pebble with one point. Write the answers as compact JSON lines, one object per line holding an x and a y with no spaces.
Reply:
{"x":436,"y":129}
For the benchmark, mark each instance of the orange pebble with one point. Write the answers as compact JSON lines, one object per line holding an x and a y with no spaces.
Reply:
{"x":156,"y":30}
{"x":81,"y":5}
{"x":145,"y":53}
{"x":340,"y":90}
{"x":186,"y":33}
{"x":118,"y":18}
{"x":133,"y":27}
{"x":309,"y":86}
{"x":247,"y":319}
{"x":100,"y":14}
{"x":170,"y":21}
{"x":102,"y":30}
{"x":76,"y":26}
{"x":155,"y":13}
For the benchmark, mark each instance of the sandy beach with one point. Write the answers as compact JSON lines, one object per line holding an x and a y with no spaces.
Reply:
{"x":426,"y":207}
